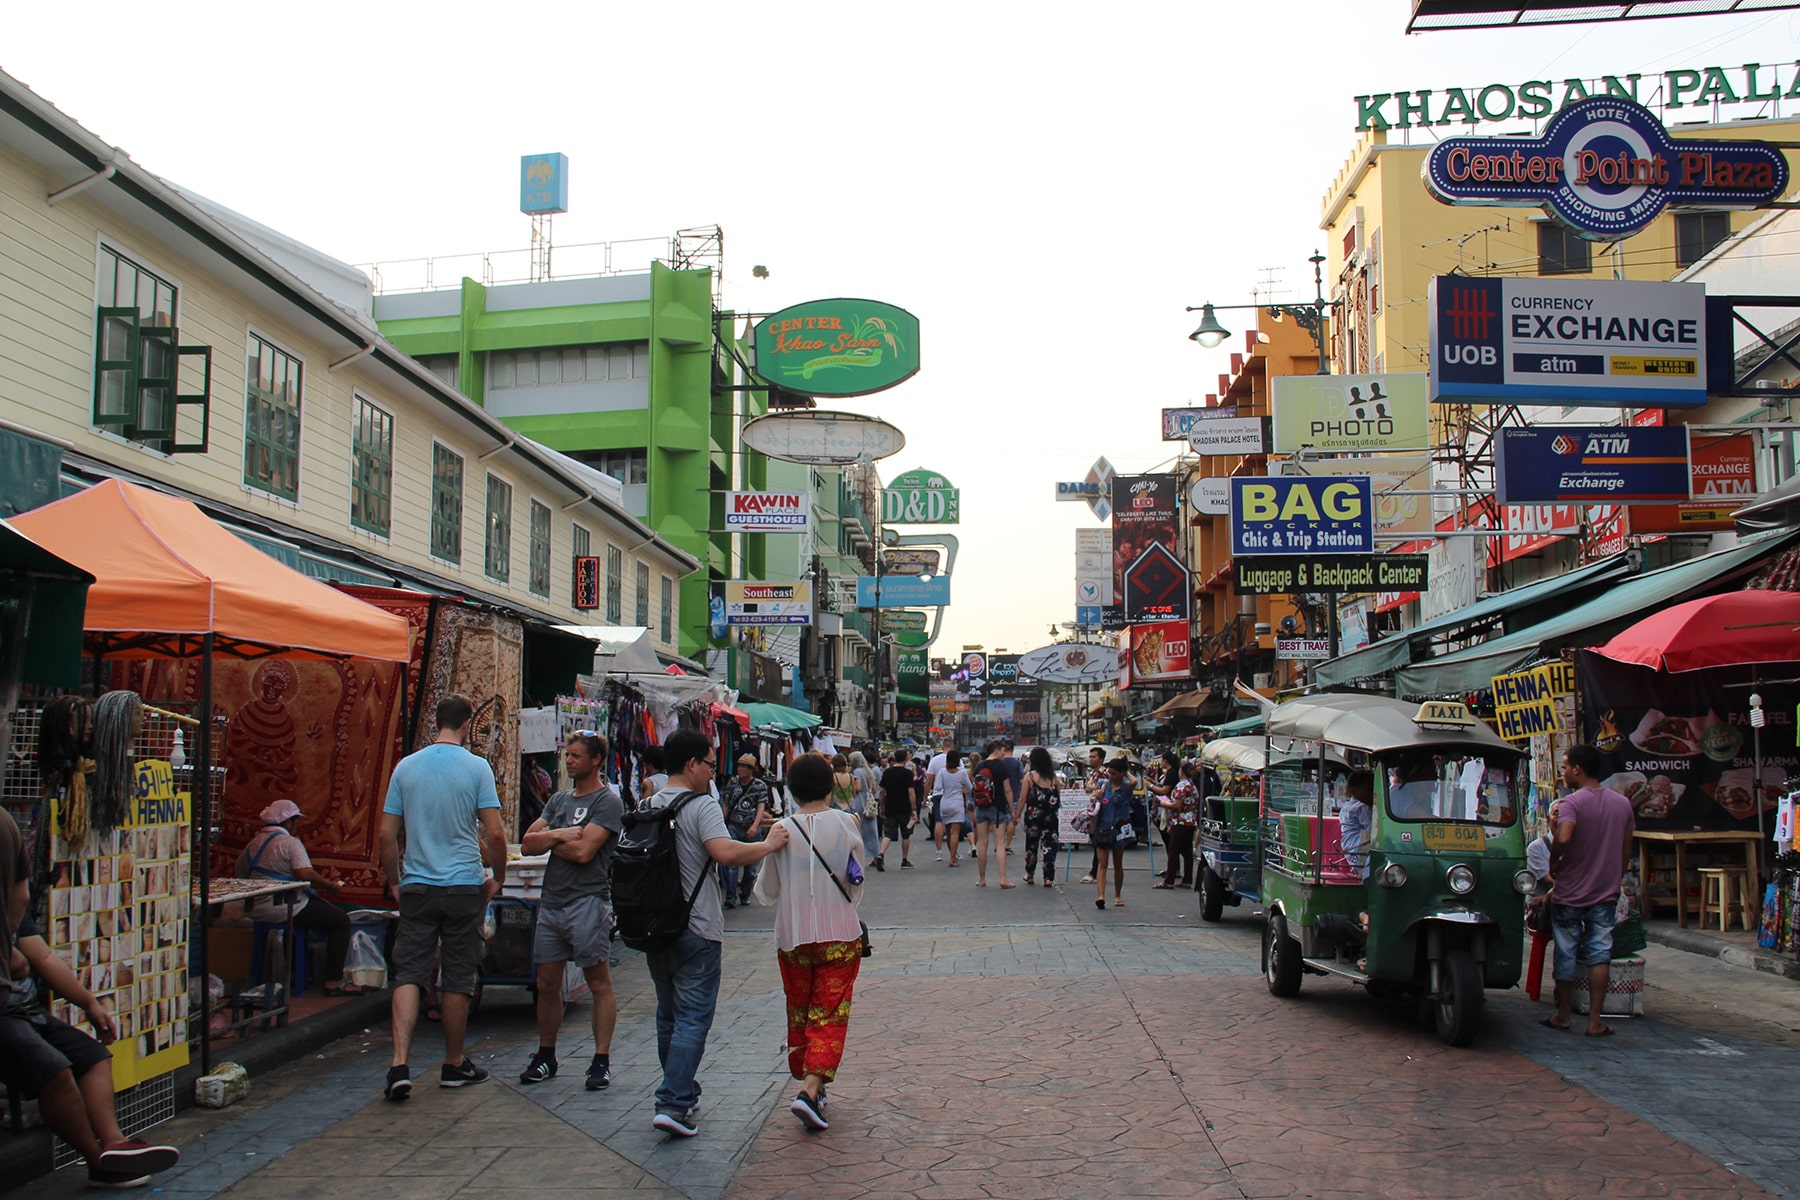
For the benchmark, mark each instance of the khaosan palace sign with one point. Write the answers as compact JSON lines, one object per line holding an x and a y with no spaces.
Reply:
{"x":1605,"y":168}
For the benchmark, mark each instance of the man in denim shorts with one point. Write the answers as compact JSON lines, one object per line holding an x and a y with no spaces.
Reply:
{"x":1588,"y":856}
{"x":574,"y":922}
{"x":444,"y":797}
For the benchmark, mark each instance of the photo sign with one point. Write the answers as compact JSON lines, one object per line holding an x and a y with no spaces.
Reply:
{"x":837,"y":347}
{"x":768,"y":512}
{"x":1286,"y":576}
{"x":1592,"y":463}
{"x":1302,"y":515}
{"x":920,"y":497}
{"x":1336,"y":414}
{"x":1612,"y":343}
{"x":1605,"y":168}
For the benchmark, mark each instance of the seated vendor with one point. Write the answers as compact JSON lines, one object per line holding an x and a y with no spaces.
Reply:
{"x":69,"y":1072}
{"x":277,"y":853}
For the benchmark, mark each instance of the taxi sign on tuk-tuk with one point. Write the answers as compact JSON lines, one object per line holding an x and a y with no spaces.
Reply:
{"x":1443,"y":714}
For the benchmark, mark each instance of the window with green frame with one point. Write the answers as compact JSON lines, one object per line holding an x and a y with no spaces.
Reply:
{"x":615,"y":585}
{"x":372,"y":469}
{"x":272,"y":420}
{"x":139,"y":361}
{"x":667,"y":613}
{"x":643,"y":595}
{"x":498,"y":560}
{"x":540,"y":549}
{"x":446,"y":504}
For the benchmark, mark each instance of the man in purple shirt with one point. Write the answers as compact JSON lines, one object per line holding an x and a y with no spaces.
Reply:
{"x":1588,"y":856}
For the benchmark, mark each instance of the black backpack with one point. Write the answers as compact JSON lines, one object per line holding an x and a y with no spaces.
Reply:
{"x":647,"y":897}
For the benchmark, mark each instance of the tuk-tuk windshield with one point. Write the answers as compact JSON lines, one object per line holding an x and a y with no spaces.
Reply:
{"x":1442,"y":784}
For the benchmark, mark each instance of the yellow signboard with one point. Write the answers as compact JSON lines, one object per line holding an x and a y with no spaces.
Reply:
{"x":1524,"y":704}
{"x":1637,"y":365}
{"x":1443,"y":714}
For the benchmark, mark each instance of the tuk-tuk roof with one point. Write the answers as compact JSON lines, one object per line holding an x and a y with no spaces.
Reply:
{"x":1373,"y":723}
{"x":1242,"y":754}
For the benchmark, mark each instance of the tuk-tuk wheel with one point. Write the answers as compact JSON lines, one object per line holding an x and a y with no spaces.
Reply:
{"x":1456,"y":1006}
{"x":1281,"y":957}
{"x":1212,"y":895}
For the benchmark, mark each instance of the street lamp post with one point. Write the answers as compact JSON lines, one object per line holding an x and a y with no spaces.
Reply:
{"x":1310,"y":315}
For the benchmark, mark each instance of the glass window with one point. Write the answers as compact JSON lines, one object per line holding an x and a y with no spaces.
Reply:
{"x":504,"y":374}
{"x":595,"y":358}
{"x":579,"y":542}
{"x":446,"y":504}
{"x":526,"y":367}
{"x":549,"y":367}
{"x":444,"y":366}
{"x":272,"y":420}
{"x":1561,"y":252}
{"x":640,"y":360}
{"x":615,"y":585}
{"x":372,"y":469}
{"x":1699,"y":234}
{"x":134,"y":351}
{"x":540,"y":548}
{"x":573,"y":368}
{"x":618,"y":362}
{"x":498,"y":558}
{"x":643,"y":596}
{"x":667,"y":613}
{"x":1443,"y":783}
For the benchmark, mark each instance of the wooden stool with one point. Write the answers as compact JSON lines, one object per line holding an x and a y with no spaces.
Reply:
{"x":1725,"y":888}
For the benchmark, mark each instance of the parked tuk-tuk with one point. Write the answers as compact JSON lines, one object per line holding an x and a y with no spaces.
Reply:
{"x":1231,"y":867}
{"x":1431,"y":906}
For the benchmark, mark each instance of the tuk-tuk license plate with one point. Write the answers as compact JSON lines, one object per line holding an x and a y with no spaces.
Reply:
{"x":1454,"y":838}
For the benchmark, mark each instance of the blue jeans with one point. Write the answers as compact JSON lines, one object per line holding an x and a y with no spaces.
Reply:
{"x":736,"y":882}
{"x":1583,"y":936}
{"x":687,"y":992}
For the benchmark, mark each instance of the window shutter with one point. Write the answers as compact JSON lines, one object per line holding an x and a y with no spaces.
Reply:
{"x":115,"y":368}
{"x":201,"y":399}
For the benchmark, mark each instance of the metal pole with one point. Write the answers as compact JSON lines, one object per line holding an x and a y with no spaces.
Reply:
{"x":880,"y":647}
{"x":201,"y":797}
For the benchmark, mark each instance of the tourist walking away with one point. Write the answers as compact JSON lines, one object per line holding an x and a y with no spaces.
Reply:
{"x":899,"y":811}
{"x":579,"y":829}
{"x":950,"y":810}
{"x":1588,"y":856}
{"x":65,"y":1070}
{"x":815,"y":884}
{"x":443,"y":796}
{"x":1094,"y":780}
{"x":745,"y":801}
{"x":652,"y":778}
{"x":843,"y":784}
{"x":868,"y":803}
{"x":1181,"y":820}
{"x":988,"y":787}
{"x":1043,"y":815}
{"x":1015,"y":774}
{"x":1114,"y":811}
{"x":278,"y":853}
{"x":686,"y":971}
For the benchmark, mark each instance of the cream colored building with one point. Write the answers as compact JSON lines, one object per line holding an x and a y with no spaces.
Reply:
{"x":157,"y":337}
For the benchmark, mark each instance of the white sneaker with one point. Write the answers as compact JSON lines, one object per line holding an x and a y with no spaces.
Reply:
{"x":940,"y":856}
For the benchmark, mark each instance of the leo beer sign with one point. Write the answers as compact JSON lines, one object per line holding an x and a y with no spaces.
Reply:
{"x":1160,"y":650}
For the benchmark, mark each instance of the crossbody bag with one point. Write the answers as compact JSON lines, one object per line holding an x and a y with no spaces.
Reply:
{"x":867,"y":948}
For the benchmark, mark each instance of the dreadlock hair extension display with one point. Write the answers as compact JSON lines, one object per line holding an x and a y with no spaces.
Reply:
{"x":118,"y":719}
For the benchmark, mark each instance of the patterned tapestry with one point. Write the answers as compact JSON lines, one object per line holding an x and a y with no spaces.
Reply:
{"x":480,"y":654}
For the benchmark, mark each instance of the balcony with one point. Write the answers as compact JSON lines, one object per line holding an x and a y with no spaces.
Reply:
{"x":857,"y":675}
{"x":856,"y":622}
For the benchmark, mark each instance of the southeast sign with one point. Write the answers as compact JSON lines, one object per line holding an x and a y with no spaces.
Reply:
{"x":1287,"y":576}
{"x":838,"y":347}
{"x":1302,"y":515}
{"x":1572,"y":464}
{"x":1610,"y":342}
{"x":751,"y":602}
{"x":1605,"y":168}
{"x":920,"y":497}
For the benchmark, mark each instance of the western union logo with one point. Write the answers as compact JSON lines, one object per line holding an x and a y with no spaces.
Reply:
{"x":1683,"y":368}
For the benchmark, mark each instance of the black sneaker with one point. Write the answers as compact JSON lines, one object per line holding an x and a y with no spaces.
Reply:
{"x":541,"y":1067}
{"x":599,"y":1073}
{"x":675,"y":1124}
{"x":906,"y":864}
{"x":121,"y":1180}
{"x":878,"y":864}
{"x":399,"y":1084}
{"x":462,"y":1074}
{"x":137,"y":1156}
{"x":810,"y":1112}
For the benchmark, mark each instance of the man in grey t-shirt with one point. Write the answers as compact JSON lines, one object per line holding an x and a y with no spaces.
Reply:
{"x":578,"y":829}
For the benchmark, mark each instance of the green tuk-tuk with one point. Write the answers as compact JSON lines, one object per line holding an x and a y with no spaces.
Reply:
{"x":1430,"y":905}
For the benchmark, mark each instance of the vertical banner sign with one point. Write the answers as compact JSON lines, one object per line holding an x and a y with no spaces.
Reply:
{"x":912,"y":685}
{"x":1144,"y":509}
{"x":587,"y":582}
{"x":1093,"y":573}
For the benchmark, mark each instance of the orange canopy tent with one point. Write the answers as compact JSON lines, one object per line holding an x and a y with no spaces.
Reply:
{"x":168,"y":577}
{"x":171,"y":582}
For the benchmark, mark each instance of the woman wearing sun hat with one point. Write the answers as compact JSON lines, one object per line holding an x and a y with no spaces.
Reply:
{"x":277,"y":853}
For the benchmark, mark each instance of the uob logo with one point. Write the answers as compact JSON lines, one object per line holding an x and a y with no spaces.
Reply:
{"x":1466,"y":333}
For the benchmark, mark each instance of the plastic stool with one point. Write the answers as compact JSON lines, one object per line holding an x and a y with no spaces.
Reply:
{"x":1725,"y":888}
{"x":259,"y":947}
{"x":1534,"y":978}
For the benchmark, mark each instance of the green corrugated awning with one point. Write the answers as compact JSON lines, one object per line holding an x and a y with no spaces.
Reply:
{"x":1239,"y":728}
{"x":29,"y":473}
{"x":1474,"y":668}
{"x":1379,"y":658}
{"x":42,"y":602}
{"x":780,"y":716}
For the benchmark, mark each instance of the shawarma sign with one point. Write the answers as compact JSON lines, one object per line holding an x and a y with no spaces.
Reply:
{"x":838,"y":347}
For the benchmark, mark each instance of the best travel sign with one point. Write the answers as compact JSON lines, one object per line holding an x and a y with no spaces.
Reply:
{"x":1605,"y":168}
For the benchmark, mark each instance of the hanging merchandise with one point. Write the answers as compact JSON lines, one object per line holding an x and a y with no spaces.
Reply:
{"x":118,"y":719}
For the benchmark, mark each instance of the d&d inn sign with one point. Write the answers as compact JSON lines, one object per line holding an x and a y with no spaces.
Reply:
{"x":838,"y":347}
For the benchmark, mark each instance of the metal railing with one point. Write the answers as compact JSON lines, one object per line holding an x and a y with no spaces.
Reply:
{"x":687,"y":248}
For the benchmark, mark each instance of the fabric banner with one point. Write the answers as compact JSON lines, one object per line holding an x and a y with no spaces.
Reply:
{"x":1680,"y":745}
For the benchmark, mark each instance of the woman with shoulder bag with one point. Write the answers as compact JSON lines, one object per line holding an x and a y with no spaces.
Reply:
{"x":815,"y":882}
{"x":1112,"y":825}
{"x":868,"y":805}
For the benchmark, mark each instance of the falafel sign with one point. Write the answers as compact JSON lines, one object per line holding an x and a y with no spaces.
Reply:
{"x":838,"y":347}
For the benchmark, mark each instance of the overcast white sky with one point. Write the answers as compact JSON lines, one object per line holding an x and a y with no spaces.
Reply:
{"x":1045,"y":185}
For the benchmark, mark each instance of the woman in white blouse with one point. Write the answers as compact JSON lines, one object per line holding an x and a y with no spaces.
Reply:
{"x":815,"y":882}
{"x":952,"y":806}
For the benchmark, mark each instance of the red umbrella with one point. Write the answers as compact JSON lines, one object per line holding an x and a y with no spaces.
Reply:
{"x":1735,"y":629}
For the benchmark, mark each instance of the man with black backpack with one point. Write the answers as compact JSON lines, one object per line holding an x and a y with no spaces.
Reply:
{"x":667,"y":900}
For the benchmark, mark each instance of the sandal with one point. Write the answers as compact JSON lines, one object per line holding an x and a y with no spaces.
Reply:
{"x":433,"y":1013}
{"x":1162,"y":887}
{"x":343,"y":989}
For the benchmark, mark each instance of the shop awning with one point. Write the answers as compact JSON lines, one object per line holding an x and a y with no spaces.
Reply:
{"x":1379,"y":658}
{"x":1187,"y":702}
{"x":778,"y":716}
{"x":1624,"y":601}
{"x":1780,"y":509}
{"x":1240,"y":728}
{"x":166,"y":574}
{"x":50,"y":595}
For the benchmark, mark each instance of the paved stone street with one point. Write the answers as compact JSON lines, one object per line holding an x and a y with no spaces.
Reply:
{"x":1022,"y":1044}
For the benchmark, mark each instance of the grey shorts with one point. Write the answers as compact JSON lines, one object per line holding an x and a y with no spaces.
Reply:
{"x":440,"y":922}
{"x":579,"y":931}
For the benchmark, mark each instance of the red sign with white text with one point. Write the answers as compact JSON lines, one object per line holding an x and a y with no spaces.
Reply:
{"x":1157,"y":651}
{"x":1724,"y":476}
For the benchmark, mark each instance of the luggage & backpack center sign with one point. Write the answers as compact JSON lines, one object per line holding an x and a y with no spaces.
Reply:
{"x":838,"y":347}
{"x":1605,"y":168}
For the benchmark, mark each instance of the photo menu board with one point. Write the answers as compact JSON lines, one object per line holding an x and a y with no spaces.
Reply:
{"x":119,"y":908}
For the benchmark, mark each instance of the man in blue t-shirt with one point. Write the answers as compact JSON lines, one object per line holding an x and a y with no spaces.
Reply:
{"x":444,"y":797}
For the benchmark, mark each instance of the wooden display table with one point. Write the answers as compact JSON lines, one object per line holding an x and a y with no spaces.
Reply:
{"x":1682,"y":839}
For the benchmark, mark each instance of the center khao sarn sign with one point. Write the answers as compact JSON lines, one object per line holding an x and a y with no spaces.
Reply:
{"x":837,"y":347}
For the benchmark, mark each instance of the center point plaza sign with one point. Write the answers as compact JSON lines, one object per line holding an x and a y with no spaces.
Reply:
{"x":1605,"y":168}
{"x":838,"y":347}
